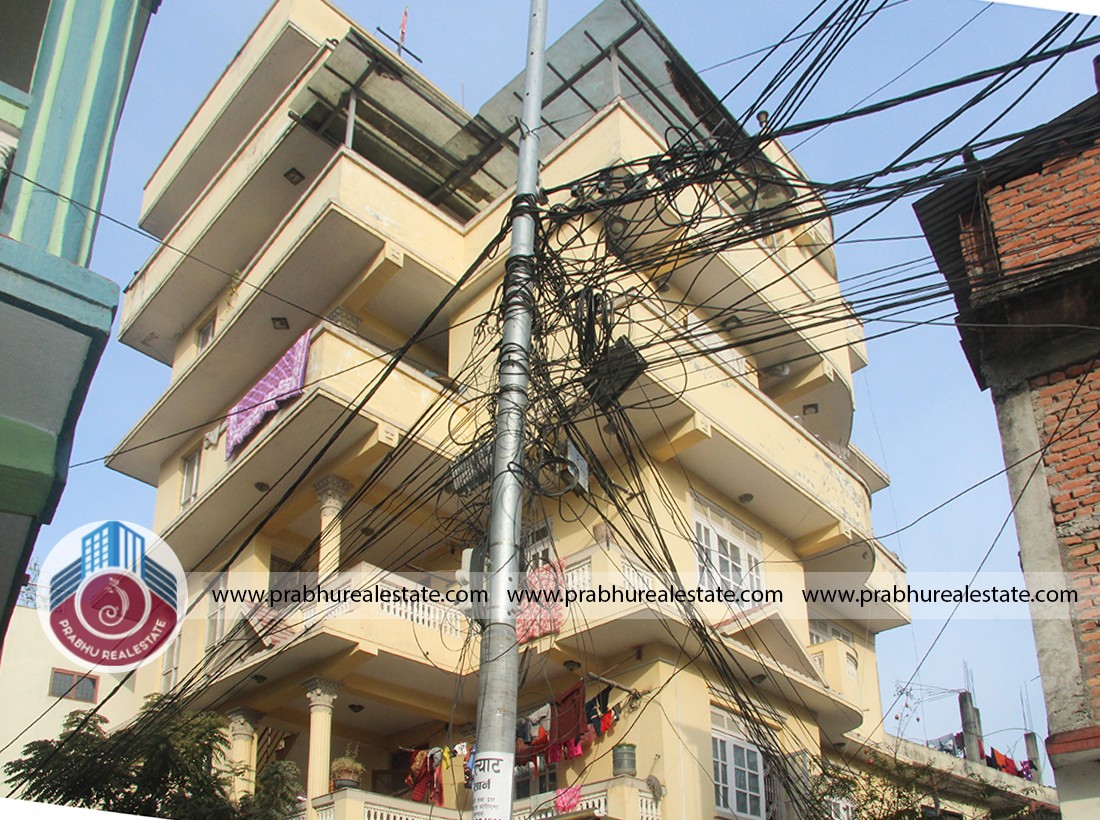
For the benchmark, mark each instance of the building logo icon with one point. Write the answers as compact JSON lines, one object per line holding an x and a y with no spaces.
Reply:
{"x":111,"y":595}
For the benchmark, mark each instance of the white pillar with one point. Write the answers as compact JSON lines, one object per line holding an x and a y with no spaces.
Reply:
{"x":333,"y":493}
{"x":242,"y":749}
{"x":321,"y":694}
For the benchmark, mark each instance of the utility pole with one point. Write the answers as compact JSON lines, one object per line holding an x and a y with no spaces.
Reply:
{"x":498,"y":687}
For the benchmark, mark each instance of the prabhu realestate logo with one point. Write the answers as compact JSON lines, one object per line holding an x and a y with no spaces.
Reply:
{"x":111,"y":595}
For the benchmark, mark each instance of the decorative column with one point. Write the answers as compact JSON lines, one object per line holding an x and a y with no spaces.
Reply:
{"x":242,"y":749}
{"x":321,"y":694}
{"x":333,"y":493}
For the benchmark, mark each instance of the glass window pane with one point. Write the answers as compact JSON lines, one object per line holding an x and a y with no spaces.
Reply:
{"x":84,"y":690}
{"x":754,"y":761}
{"x":60,"y":683}
{"x":754,"y":806}
{"x":742,"y":802}
{"x":739,"y":756}
{"x":739,"y":779}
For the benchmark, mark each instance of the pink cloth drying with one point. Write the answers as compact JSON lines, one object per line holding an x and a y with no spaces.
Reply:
{"x":280,"y":384}
{"x":566,"y":800}
{"x":541,"y":615}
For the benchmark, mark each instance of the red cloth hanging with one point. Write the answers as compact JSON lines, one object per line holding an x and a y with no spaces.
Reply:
{"x":567,"y":715}
{"x":419,"y":776}
{"x":436,"y":795}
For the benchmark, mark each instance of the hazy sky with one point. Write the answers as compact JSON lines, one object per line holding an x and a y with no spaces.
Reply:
{"x":919,"y":413}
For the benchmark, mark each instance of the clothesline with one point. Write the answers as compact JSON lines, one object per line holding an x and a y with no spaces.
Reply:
{"x":561,"y":729}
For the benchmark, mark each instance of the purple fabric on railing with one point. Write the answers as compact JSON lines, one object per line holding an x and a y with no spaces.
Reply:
{"x":280,"y":384}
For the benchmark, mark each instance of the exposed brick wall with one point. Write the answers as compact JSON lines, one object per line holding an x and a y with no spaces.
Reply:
{"x":1051,"y":213}
{"x":1067,"y":411}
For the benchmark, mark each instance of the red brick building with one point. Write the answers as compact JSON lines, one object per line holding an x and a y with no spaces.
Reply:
{"x":1017,"y":237}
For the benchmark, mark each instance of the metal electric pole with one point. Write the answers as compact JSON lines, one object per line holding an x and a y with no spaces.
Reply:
{"x":496,"y":709}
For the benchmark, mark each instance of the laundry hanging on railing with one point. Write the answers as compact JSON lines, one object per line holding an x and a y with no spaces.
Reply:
{"x":1006,"y":764}
{"x":281,"y":384}
{"x":565,"y":728}
{"x":426,"y":776}
{"x":566,"y":800}
{"x":541,"y":612}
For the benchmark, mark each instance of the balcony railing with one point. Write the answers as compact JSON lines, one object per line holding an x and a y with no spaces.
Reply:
{"x":440,"y":617}
{"x":616,"y":798}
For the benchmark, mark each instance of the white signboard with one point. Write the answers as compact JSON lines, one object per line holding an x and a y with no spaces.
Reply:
{"x":492,"y":786}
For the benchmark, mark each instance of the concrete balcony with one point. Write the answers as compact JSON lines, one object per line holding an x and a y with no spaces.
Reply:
{"x":340,"y":363}
{"x":866,"y":568}
{"x":730,"y":433}
{"x":775,"y":289}
{"x":838,"y":663}
{"x":342,"y":221}
{"x":397,"y":655}
{"x":283,"y":45}
{"x":760,"y":638}
{"x":622,"y":798}
{"x":355,"y":223}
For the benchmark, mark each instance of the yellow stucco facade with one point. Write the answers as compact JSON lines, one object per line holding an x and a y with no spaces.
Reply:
{"x":351,"y":250}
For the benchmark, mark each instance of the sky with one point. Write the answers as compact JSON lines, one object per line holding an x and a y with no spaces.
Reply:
{"x":919,"y":412}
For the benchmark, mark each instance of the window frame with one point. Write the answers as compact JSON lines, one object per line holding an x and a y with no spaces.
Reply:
{"x":190,"y":465}
{"x":204,"y":333}
{"x":170,"y":668}
{"x":525,"y":784}
{"x":717,"y":344}
{"x":824,"y":629}
{"x":744,"y":554}
{"x":940,"y":814}
{"x":216,"y":612}
{"x":724,"y":770}
{"x":538,"y":547}
{"x":74,"y":680}
{"x":841,"y":808}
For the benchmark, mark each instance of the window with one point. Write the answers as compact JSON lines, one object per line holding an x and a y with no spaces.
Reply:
{"x":727,"y":551}
{"x":528,"y":783}
{"x":189,"y":478}
{"x":738,"y":772}
{"x":215,"y":611}
{"x":939,"y":814}
{"x":841,"y":808}
{"x":851,"y":663}
{"x":205,"y":334}
{"x":538,"y":546}
{"x":73,"y":685}
{"x":170,"y":672}
{"x":283,"y":576}
{"x":822,"y":629}
{"x":719,"y":348}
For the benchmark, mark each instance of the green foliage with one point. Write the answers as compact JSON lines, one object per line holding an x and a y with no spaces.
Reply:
{"x":347,"y":766}
{"x":166,"y":763}
{"x":276,"y":793}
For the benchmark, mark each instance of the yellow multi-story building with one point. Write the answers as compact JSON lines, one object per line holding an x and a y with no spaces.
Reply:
{"x":323,"y":204}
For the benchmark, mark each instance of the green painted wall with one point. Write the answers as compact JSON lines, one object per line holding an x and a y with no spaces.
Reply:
{"x":80,"y":82}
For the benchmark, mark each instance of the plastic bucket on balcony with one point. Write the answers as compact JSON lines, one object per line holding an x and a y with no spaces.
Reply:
{"x":624,"y":760}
